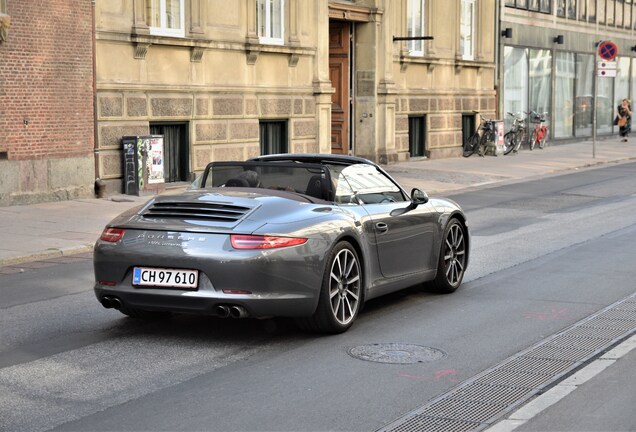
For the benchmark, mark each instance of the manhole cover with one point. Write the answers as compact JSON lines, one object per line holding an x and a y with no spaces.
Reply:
{"x":396,"y":353}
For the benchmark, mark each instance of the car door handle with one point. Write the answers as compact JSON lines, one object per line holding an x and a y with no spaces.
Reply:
{"x":381,"y":227}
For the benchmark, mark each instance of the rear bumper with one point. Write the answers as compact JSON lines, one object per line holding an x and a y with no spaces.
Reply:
{"x":206,"y":303}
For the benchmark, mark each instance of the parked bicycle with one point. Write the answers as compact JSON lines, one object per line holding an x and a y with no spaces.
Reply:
{"x":484,"y":137}
{"x":540,"y":132}
{"x":516,"y":135}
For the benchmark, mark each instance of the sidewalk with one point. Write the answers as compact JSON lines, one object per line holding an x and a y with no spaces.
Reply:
{"x":55,"y":229}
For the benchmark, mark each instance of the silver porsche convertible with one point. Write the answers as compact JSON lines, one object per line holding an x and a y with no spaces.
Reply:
{"x":310,"y":237}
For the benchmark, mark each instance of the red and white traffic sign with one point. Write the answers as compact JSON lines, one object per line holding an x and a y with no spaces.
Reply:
{"x":607,"y":50}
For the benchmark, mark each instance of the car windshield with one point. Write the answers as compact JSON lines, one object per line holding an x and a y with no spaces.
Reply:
{"x":361,"y":183}
{"x":309,"y":179}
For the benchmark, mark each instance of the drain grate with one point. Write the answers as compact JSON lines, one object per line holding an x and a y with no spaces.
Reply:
{"x":423,"y":423}
{"x":479,"y":402}
{"x":540,"y":366}
{"x":493,"y":394}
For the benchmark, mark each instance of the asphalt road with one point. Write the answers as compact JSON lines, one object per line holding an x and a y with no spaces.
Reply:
{"x":545,"y":255}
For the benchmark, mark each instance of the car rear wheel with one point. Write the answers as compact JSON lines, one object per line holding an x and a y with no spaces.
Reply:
{"x":341,"y":292}
{"x":452,"y":260}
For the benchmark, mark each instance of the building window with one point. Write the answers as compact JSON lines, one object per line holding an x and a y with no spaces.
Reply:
{"x":3,"y":6}
{"x":543,"y":6}
{"x":166,"y":17}
{"x":415,"y":26}
{"x":270,"y":21}
{"x":609,"y":12}
{"x":467,"y":25}
{"x":417,"y":136}
{"x":273,"y":136}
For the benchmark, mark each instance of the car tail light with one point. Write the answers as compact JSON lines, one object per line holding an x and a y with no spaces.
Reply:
{"x":112,"y":235}
{"x":264,"y":242}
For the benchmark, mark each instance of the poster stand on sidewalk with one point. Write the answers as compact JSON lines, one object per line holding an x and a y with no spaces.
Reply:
{"x":143,"y":165}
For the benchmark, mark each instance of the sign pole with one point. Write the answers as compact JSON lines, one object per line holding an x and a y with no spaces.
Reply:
{"x":607,"y":50}
{"x":595,"y":85}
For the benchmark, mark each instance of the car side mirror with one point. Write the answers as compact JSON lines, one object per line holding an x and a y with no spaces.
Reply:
{"x":418,"y":197}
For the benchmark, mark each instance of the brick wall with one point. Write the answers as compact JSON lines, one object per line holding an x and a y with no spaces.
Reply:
{"x":46,"y":79}
{"x":46,"y":100}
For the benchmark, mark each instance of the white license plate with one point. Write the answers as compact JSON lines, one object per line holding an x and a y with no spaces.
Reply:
{"x":163,"y":277}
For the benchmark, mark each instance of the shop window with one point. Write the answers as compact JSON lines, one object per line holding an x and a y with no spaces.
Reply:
{"x":273,"y":136}
{"x":584,"y":95}
{"x":270,"y":21}
{"x":176,"y":150}
{"x":415,"y":26}
{"x":565,"y":75}
{"x":417,"y":136}
{"x":166,"y":17}
{"x":467,"y":29}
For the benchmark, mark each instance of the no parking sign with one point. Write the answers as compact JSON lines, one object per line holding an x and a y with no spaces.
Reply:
{"x":607,"y":50}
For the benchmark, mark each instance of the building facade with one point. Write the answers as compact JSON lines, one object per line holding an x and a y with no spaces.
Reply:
{"x":549,"y":57}
{"x":231,"y":80}
{"x":46,"y":100}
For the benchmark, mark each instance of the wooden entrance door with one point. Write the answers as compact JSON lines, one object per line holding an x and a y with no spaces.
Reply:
{"x":339,"y":74}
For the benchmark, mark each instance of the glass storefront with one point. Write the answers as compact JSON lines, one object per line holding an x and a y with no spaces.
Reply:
{"x":528,"y":80}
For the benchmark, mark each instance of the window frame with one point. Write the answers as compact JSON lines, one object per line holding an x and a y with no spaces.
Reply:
{"x":163,"y":30}
{"x":467,"y":55}
{"x":266,"y":147}
{"x":417,"y":129}
{"x":410,"y":27}
{"x":267,"y":38}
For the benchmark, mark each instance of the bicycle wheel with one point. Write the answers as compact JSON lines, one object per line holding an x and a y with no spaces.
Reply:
{"x":487,"y":138}
{"x":544,"y":140}
{"x":521,"y":139}
{"x":509,"y":142}
{"x":471,"y":144}
{"x":533,"y":140}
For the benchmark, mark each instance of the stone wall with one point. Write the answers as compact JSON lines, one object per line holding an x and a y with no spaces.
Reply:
{"x":221,"y":126}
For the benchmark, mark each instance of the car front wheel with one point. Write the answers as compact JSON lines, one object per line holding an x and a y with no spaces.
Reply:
{"x":341,"y":292}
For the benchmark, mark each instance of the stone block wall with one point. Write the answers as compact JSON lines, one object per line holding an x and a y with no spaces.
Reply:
{"x":443,"y":121}
{"x":221,"y":126}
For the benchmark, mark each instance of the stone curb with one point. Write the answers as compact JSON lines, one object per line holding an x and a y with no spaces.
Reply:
{"x":44,"y":255}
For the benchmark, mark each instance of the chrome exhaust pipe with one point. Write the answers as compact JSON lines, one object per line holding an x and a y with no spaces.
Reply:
{"x":222,"y":311}
{"x":107,"y":302}
{"x":116,"y":303}
{"x":238,"y":312}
